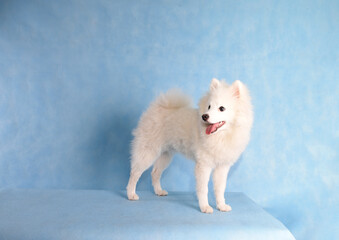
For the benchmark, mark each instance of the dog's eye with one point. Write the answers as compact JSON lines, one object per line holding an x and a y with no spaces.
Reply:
{"x":222,"y":109}
{"x":209,"y":106}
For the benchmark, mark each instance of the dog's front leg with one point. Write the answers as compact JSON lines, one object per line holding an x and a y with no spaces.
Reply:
{"x":202,"y":175}
{"x":219,"y":181}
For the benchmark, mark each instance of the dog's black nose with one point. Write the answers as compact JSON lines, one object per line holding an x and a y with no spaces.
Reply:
{"x":205,"y":117}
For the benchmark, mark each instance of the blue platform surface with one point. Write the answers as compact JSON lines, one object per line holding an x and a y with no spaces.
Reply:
{"x":97,"y":214}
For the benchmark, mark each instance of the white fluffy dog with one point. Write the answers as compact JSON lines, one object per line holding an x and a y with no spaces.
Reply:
{"x":214,"y":136}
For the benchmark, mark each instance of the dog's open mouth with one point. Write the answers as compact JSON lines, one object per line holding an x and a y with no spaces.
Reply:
{"x":212,"y":128}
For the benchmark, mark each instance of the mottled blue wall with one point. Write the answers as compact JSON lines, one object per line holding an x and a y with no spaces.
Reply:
{"x":76,"y":75}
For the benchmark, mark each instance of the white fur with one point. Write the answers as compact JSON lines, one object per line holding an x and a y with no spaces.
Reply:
{"x":171,"y":125}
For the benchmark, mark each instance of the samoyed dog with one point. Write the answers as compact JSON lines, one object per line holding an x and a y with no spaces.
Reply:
{"x":214,"y":136}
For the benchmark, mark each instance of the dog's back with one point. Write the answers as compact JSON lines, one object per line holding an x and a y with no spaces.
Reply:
{"x":170,"y":123}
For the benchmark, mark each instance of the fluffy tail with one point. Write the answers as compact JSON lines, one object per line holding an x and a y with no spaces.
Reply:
{"x":174,"y":98}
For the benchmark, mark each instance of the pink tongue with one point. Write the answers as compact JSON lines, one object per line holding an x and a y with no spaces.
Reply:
{"x":211,"y":128}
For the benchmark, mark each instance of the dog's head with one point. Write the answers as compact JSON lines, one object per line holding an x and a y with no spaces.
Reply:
{"x":218,"y":107}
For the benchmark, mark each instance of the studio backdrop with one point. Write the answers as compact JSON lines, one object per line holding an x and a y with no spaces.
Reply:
{"x":75,"y":76}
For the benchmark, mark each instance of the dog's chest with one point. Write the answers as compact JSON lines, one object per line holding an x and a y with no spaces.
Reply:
{"x":225,"y":150}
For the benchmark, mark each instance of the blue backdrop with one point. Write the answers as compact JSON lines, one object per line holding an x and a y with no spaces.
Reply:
{"x":75,"y":77}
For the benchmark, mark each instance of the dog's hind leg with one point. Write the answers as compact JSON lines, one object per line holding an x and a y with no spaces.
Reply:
{"x":159,"y":166}
{"x":140,"y":163}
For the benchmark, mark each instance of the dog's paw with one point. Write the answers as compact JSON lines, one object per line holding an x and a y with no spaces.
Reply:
{"x":224,"y":207}
{"x":161,"y":193}
{"x":206,"y":209}
{"x":133,"y":197}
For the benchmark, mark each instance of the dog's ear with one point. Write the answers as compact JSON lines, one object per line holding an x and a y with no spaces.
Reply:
{"x":214,"y":84}
{"x":236,"y":88}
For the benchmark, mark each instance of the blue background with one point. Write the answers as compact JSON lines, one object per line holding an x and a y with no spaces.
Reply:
{"x":75,"y":77}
